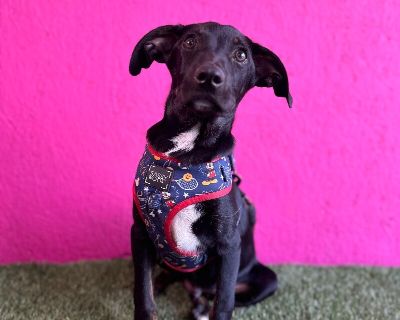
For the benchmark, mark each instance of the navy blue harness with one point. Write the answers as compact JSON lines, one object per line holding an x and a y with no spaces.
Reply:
{"x":163,"y":187}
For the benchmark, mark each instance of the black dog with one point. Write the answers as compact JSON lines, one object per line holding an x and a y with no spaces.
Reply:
{"x":212,"y":67}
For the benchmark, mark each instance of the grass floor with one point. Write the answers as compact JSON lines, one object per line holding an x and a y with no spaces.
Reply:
{"x":102,"y":290}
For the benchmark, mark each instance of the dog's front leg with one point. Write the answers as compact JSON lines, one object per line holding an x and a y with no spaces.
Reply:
{"x":224,"y":303}
{"x":143,"y":260}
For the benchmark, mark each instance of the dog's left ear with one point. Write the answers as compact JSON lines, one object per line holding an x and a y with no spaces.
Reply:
{"x":155,"y":45}
{"x":270,"y":71}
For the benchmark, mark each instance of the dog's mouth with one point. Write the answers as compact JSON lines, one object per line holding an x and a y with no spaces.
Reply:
{"x":203,"y":106}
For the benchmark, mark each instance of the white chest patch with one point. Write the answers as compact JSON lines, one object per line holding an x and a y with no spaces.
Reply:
{"x":185,"y":140}
{"x":182,"y":228}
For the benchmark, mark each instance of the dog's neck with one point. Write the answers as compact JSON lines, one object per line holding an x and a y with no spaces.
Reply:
{"x":192,"y":141}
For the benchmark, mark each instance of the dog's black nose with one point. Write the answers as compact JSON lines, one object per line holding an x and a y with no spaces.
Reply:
{"x":210,"y":74}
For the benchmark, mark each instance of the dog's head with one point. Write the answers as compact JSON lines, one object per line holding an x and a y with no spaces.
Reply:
{"x":212,"y":67}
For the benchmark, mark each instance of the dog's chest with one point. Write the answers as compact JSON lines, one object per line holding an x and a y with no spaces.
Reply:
{"x":182,"y":228}
{"x":185,"y":140}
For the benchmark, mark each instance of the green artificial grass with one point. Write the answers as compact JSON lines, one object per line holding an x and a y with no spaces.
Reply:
{"x":102,"y":290}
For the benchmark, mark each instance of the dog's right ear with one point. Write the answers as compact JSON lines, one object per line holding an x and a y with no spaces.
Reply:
{"x":270,"y":71}
{"x":155,"y":45}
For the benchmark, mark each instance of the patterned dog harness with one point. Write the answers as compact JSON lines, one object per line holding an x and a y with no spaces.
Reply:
{"x":163,"y":187}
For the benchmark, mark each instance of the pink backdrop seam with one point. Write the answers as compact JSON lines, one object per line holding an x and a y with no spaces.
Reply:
{"x":326,"y":183}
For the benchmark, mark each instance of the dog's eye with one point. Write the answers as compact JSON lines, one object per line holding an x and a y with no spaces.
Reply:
{"x":240,"y":55}
{"x":189,"y":43}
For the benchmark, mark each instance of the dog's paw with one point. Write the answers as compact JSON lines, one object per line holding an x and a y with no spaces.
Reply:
{"x":201,"y":309}
{"x":200,"y":316}
{"x":145,"y":315}
{"x":222,"y":316}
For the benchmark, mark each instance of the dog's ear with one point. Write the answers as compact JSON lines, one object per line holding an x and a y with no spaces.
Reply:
{"x":270,"y":71}
{"x":155,"y":45}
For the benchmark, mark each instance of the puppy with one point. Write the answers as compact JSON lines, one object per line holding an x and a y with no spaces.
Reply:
{"x":190,"y":215}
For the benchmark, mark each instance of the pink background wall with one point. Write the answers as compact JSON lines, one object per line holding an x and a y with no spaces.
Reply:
{"x":73,"y":123}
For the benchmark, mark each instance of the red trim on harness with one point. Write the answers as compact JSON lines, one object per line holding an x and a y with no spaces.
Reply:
{"x":174,"y":211}
{"x":160,"y":154}
{"x":136,"y":201}
{"x":182,"y":269}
